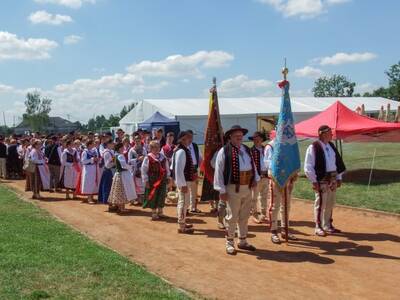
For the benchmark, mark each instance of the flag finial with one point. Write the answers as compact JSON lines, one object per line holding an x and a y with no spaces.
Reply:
{"x":285,"y":71}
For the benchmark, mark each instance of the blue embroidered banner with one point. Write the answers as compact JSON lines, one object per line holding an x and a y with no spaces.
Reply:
{"x":286,"y":157}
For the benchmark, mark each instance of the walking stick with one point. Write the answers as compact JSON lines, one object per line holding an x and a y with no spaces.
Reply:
{"x":286,"y":215}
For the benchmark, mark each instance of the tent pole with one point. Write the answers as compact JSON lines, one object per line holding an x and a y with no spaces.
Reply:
{"x":372,"y":167}
{"x":341,"y":148}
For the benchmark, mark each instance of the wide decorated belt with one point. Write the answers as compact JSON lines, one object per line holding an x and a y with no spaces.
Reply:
{"x":245,"y":177}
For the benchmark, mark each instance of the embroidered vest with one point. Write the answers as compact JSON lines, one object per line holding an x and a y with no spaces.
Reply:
{"x":320,"y":163}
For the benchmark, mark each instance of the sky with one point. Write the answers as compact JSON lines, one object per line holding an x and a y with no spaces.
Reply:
{"x":92,"y":57}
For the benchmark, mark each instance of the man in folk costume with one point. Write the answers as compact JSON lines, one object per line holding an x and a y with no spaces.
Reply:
{"x":196,"y":160}
{"x":277,"y":204}
{"x":235,"y":176}
{"x":324,"y":167}
{"x":260,"y":192}
{"x":53,"y":153}
{"x":184,"y":174}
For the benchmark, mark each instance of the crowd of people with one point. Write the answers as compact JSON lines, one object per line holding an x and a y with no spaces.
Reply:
{"x":142,"y":169}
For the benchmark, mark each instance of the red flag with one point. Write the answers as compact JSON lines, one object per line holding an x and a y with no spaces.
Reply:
{"x":214,"y":140}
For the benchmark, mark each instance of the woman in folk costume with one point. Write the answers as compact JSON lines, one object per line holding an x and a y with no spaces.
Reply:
{"x":78,"y":148}
{"x":108,"y":173}
{"x":136,"y":156}
{"x":70,"y":169}
{"x":155,"y":174}
{"x":122,"y":189}
{"x":97,"y":143}
{"x":41,"y":176}
{"x":88,"y":183}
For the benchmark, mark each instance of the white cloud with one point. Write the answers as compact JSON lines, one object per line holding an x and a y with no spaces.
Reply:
{"x":68,"y":3}
{"x":180,"y":65}
{"x":364,"y":88}
{"x":72,"y":39}
{"x":5,"y":88}
{"x":345,"y":58}
{"x":12,"y":47}
{"x":43,"y":17}
{"x":106,"y":94}
{"x":242,"y":85}
{"x":309,"y":72}
{"x":334,"y":2}
{"x":304,"y":9}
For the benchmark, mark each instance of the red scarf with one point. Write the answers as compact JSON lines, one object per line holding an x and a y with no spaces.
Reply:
{"x":154,"y":160}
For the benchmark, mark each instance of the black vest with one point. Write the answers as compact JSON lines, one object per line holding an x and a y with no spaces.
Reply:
{"x":196,"y":154}
{"x":320,"y":163}
{"x":228,"y":178}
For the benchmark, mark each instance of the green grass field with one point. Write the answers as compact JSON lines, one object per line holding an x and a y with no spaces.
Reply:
{"x":384,"y":190}
{"x":43,"y":258}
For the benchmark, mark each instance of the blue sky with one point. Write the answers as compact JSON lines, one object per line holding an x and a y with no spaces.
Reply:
{"x":94,"y":56}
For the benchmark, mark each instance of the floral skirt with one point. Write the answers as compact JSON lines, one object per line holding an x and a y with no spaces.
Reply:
{"x":117,"y":193}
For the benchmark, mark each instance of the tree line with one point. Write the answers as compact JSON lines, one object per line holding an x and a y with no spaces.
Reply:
{"x":340,"y":86}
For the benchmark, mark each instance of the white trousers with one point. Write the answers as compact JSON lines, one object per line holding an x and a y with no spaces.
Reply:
{"x":277,"y":205}
{"x":323,"y":206}
{"x":259,"y":196}
{"x":192,"y":186}
{"x":237,"y":211}
{"x":183,"y":204}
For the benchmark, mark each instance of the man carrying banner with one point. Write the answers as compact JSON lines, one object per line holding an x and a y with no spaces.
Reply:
{"x":213,"y":142}
{"x":285,"y":159}
{"x":277,"y":204}
{"x":235,"y":176}
{"x":260,"y":193}
{"x":324,"y":167}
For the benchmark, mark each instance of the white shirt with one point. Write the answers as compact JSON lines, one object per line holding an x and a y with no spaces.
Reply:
{"x":193,"y":154}
{"x":268,"y":152}
{"x":37,"y":157}
{"x":108,"y":157}
{"x":179,"y":158}
{"x":145,"y":167}
{"x":330,"y":162}
{"x":245,"y":164}
{"x":262,"y":155}
{"x":85,"y":159}
{"x":122,"y":161}
{"x":64,"y":157}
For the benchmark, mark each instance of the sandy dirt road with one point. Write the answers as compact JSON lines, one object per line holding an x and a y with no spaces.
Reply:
{"x":361,"y":263}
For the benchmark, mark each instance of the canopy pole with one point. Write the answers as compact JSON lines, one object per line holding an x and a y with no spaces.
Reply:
{"x":372,"y":167}
{"x":341,"y":148}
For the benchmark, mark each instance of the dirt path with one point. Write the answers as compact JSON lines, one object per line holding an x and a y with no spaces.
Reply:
{"x":363,"y":263}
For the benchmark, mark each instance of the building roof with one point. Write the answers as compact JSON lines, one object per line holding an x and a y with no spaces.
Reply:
{"x":247,"y":106}
{"x":56,"y":122}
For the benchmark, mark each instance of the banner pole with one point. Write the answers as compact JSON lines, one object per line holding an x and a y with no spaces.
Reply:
{"x":286,"y":215}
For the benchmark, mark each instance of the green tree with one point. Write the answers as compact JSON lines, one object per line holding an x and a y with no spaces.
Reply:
{"x":37,"y":111}
{"x":393,"y":91}
{"x":333,"y":86}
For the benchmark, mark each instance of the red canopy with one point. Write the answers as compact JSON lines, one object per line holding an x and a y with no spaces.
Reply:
{"x":349,"y":126}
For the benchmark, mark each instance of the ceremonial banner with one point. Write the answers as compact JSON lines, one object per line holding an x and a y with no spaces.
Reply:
{"x":214,"y":140}
{"x":286,"y":157}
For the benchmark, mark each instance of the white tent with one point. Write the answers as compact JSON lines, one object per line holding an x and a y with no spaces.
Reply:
{"x":192,"y":113}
